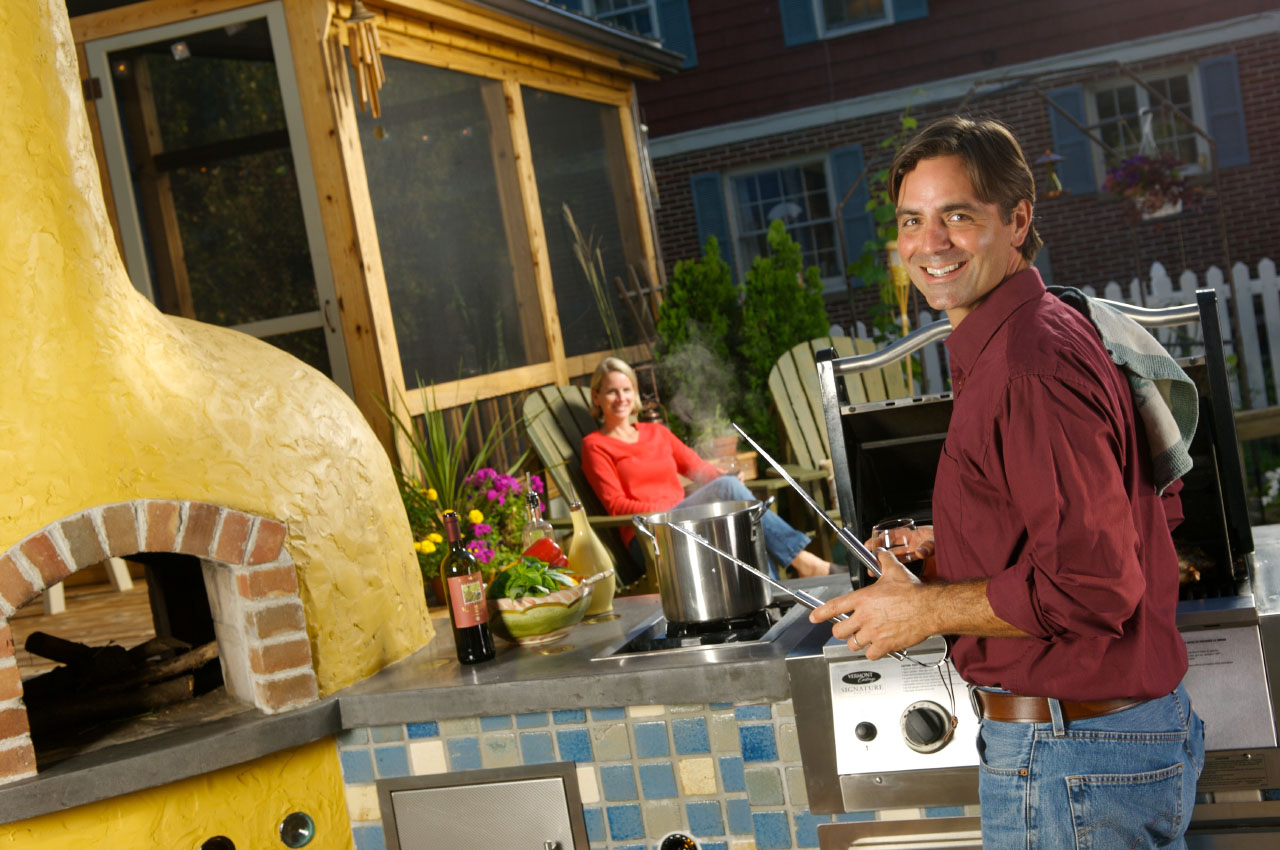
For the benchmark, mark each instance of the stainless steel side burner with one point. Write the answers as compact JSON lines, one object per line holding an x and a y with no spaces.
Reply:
{"x":656,"y":636}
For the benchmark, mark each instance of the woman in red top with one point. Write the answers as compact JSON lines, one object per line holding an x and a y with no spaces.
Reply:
{"x":634,"y":468}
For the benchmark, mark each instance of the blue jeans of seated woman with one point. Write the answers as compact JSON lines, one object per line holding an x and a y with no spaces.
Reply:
{"x":1124,"y":780}
{"x":781,"y":541}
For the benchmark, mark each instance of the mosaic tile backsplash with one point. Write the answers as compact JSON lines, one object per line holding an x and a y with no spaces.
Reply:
{"x":728,"y":775}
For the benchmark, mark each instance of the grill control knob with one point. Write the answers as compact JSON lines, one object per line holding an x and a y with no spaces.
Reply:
{"x":926,"y":726}
{"x":865,"y":731}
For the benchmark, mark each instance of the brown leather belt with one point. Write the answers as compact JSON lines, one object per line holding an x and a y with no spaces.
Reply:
{"x":1011,"y":708}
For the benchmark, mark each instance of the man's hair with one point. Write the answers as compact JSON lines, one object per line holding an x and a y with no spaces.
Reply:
{"x":607,"y":365}
{"x":992,"y":157}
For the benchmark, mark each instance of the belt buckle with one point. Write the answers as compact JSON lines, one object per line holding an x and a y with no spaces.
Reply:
{"x":973,"y":701}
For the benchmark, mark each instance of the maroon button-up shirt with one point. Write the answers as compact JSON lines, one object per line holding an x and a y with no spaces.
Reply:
{"x":1044,"y":487}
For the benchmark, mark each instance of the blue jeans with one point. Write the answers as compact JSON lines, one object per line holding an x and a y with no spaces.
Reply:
{"x":781,"y":541}
{"x":1124,"y":780}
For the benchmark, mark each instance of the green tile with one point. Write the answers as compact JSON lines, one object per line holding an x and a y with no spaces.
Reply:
{"x":788,"y":743}
{"x":662,"y":816}
{"x":611,"y":742}
{"x":499,"y":750}
{"x":797,"y":791}
{"x":722,"y":728}
{"x":764,"y":786}
{"x":460,"y":726}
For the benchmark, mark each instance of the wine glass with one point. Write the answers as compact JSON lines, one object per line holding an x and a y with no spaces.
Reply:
{"x":892,"y":534}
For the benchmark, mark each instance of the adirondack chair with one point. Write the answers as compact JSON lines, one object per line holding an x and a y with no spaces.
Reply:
{"x":556,"y":418}
{"x":793,"y":385}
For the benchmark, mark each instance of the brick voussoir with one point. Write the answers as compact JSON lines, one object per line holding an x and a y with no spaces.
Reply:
{"x":198,"y":530}
{"x":83,"y":544}
{"x":232,"y":541}
{"x":120,"y":528}
{"x":268,"y":542}
{"x":45,"y":557}
{"x":163,"y":517}
{"x":15,"y":589}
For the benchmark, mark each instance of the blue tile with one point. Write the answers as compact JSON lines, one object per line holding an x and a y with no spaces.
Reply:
{"x":1271,"y":794}
{"x":739,"y":816}
{"x":608,"y":713}
{"x":772,"y":830}
{"x":618,"y":781}
{"x":595,"y":825}
{"x":368,"y":838}
{"x":651,"y":740}
{"x":658,"y":781}
{"x":391,"y":761}
{"x":720,"y":706}
{"x":855,"y":817}
{"x":690,"y":735}
{"x":423,"y":730}
{"x":529,"y":721}
{"x":705,"y":818}
{"x":535,"y":748}
{"x":574,"y":715}
{"x":807,"y":828}
{"x":944,"y":811}
{"x":353,"y":737}
{"x":464,"y":753}
{"x":496,"y":723}
{"x":387,"y":734}
{"x":753,"y":712}
{"x":629,"y":847}
{"x":731,"y":775}
{"x":715,"y":845}
{"x":575,"y":745}
{"x":625,"y":823}
{"x":758,"y":743}
{"x":357,"y":766}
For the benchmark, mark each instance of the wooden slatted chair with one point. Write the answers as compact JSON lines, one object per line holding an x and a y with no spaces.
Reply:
{"x":556,"y":418}
{"x":793,"y":385}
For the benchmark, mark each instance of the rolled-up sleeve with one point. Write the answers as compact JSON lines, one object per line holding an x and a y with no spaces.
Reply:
{"x":1078,"y":572}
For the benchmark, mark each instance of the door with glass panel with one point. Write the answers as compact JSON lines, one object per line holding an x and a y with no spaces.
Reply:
{"x":207,"y":155}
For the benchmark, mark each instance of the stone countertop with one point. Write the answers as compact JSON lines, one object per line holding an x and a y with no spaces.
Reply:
{"x":578,"y":672}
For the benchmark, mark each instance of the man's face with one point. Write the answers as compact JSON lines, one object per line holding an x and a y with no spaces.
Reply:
{"x":956,"y":248}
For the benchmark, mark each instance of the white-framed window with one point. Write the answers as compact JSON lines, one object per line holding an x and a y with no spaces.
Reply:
{"x":638,"y":16}
{"x":800,"y":195}
{"x":1128,"y":117}
{"x":838,"y":17}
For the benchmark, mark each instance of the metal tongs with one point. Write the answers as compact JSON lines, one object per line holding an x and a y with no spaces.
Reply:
{"x":854,"y":545}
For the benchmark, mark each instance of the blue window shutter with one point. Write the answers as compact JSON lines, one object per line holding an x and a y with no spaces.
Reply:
{"x":856,"y":223}
{"x":677,"y":29}
{"x":1224,"y":109}
{"x":909,"y":10}
{"x":1076,"y":171}
{"x":799,"y":26}
{"x":711,"y":215}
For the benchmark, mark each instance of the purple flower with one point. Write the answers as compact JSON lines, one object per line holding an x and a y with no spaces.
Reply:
{"x":481,"y":550}
{"x":492,"y":495}
{"x":536,"y":483}
{"x":481,"y":529}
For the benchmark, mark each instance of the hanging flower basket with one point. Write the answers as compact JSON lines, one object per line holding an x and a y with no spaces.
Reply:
{"x":1153,"y":184}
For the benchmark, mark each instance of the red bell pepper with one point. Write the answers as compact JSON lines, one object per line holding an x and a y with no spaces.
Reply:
{"x":546,"y":550}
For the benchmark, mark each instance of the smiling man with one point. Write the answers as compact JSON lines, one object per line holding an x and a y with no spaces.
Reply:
{"x":1057,"y":574}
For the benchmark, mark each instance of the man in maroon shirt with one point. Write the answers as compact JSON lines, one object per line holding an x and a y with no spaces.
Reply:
{"x":1057,"y":574}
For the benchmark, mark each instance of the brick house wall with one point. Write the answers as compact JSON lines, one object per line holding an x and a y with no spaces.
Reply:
{"x":1091,"y":237}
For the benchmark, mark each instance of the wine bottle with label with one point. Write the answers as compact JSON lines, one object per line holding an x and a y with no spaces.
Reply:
{"x":464,"y":587}
{"x":588,"y":556}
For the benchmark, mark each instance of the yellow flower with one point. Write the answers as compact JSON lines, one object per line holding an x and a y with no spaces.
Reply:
{"x":426,"y":547}
{"x":435,"y":538}
{"x":475,"y":516}
{"x":432,"y":495}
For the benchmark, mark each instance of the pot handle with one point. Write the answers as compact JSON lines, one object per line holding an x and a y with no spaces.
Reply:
{"x":642,"y":525}
{"x":762,"y":507}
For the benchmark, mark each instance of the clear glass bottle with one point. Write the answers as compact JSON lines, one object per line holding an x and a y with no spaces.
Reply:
{"x":464,"y":588}
{"x":588,"y":556}
{"x":535,"y":527}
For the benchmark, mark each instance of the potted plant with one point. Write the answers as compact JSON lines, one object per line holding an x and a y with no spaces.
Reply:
{"x":1154,"y":184}
{"x":435,"y":475}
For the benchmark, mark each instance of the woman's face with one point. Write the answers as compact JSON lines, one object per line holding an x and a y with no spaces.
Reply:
{"x":616,"y":397}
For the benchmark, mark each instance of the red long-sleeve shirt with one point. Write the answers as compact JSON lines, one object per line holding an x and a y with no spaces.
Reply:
{"x":644,"y":476}
{"x":1045,"y":487}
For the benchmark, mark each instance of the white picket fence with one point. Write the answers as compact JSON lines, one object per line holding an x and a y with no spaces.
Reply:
{"x":1259,"y":325}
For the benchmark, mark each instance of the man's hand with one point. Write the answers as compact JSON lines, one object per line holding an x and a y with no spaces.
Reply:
{"x":889,"y":615}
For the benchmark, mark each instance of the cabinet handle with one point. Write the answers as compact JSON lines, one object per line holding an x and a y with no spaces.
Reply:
{"x":550,"y":845}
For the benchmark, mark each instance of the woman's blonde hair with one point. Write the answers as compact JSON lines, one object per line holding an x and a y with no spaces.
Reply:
{"x":607,"y":365}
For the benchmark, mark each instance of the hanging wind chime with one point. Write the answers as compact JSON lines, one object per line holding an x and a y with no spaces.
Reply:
{"x":364,"y":50}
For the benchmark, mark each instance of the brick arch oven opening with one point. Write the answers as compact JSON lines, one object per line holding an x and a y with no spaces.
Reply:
{"x":250,"y":583}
